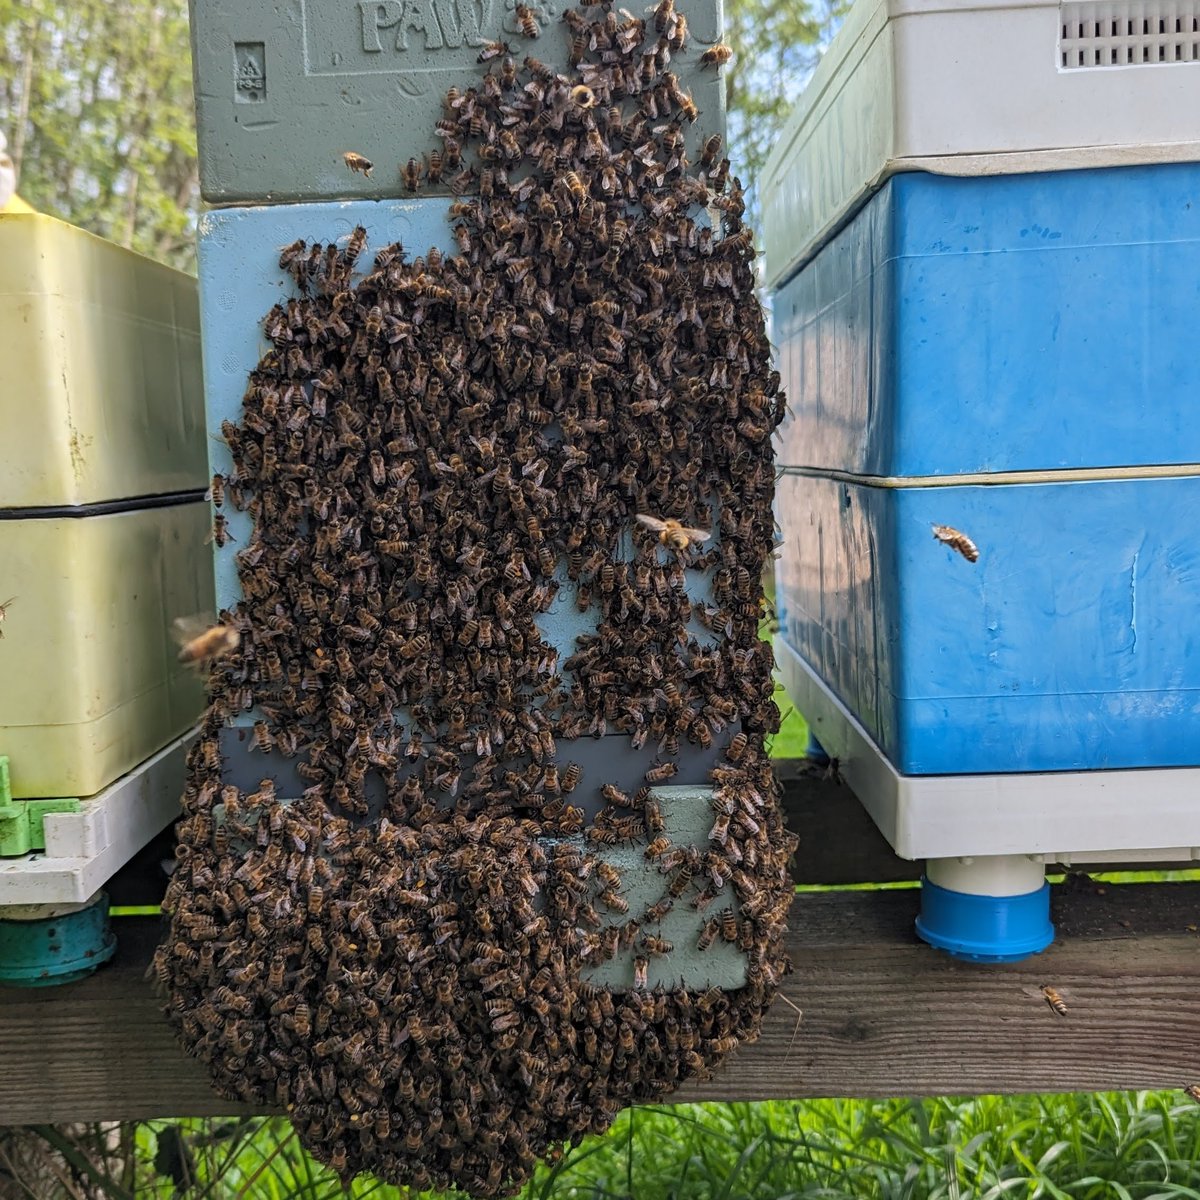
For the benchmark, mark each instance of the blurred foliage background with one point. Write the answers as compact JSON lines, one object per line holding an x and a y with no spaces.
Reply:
{"x":96,"y":100}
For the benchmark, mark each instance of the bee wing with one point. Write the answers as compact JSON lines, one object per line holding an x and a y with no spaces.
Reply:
{"x":697,"y":535}
{"x":187,"y":629}
{"x":651,"y":522}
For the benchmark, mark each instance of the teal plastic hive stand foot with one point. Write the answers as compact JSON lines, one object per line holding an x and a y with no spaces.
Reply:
{"x":43,"y":951}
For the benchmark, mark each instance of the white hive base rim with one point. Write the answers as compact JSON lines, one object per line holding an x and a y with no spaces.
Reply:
{"x":85,"y":849}
{"x":1066,"y":817}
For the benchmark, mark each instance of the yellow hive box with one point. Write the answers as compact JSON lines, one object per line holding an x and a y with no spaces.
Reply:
{"x":101,"y":394}
{"x":89,"y":682}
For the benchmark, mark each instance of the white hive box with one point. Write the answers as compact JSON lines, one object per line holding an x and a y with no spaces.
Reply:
{"x":993,"y":87}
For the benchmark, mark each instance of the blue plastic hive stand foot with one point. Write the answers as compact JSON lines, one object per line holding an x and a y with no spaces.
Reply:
{"x":985,"y":928}
{"x":47,"y":951}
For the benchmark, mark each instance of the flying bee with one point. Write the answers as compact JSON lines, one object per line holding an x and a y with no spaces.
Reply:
{"x":525,"y":18}
{"x":956,"y":540}
{"x":357,"y":163}
{"x":1053,"y":999}
{"x":201,"y":643}
{"x":493,"y":50}
{"x":716,"y":56}
{"x":1193,"y":1090}
{"x":411,"y":175}
{"x":671,"y":533}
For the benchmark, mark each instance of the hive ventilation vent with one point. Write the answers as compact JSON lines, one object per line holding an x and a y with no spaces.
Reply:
{"x":1128,"y":33}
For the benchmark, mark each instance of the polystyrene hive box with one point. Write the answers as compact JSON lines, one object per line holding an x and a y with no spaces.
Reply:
{"x":100,"y":387}
{"x":1008,"y":323}
{"x":240,"y":279}
{"x":1072,"y":644}
{"x":283,"y":90}
{"x":988,"y":88}
{"x":91,"y":683}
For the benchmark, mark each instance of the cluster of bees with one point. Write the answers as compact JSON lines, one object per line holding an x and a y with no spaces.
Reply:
{"x":441,"y":455}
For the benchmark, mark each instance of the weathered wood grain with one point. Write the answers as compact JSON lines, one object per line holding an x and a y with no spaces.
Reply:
{"x":882,"y":1015}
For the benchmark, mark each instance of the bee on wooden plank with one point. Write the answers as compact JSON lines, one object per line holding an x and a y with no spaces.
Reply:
{"x":1054,"y":999}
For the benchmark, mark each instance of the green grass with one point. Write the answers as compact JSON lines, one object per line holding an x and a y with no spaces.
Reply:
{"x":1109,"y":1146}
{"x":792,"y":738}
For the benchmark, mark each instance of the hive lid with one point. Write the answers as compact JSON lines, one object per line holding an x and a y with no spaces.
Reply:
{"x":999,"y":87}
{"x":284,"y":90}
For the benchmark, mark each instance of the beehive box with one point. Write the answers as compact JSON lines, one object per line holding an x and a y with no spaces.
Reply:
{"x":100,"y":387}
{"x":91,"y":682}
{"x":240,"y":280}
{"x":1031,"y":322}
{"x":990,"y":88}
{"x":1072,"y":644}
{"x":284,"y":90}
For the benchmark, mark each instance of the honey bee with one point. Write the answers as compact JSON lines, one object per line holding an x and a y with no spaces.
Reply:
{"x":661,"y":773}
{"x":710,"y":150}
{"x":654,"y":818}
{"x":493,"y":50}
{"x":658,"y":847}
{"x":1053,"y":999}
{"x":575,"y":185}
{"x":1193,"y":1090}
{"x":583,"y":97}
{"x":671,"y":533}
{"x":201,"y":643}
{"x":358,"y":164}
{"x":411,"y":175}
{"x":956,"y":540}
{"x":716,"y":56}
{"x":525,"y":18}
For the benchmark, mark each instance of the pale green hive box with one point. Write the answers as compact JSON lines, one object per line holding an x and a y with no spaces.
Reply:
{"x":103,"y":521}
{"x":89,"y":682}
{"x":101,"y":393}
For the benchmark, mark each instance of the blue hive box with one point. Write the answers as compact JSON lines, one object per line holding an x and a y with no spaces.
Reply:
{"x":1013,"y":357}
{"x":1072,"y":644}
{"x":240,"y":279}
{"x":1000,"y":323}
